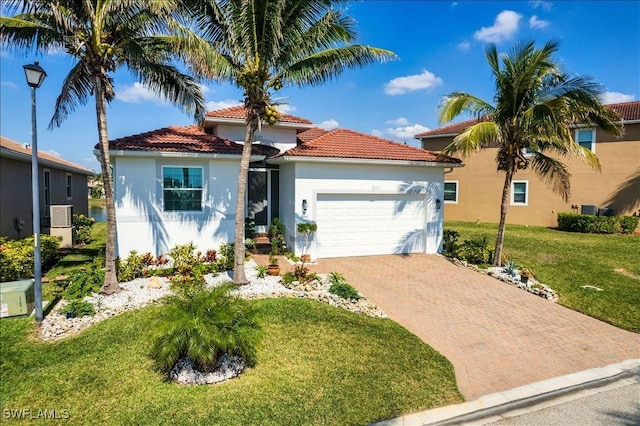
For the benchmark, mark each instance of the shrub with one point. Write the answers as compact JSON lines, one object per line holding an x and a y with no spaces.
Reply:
{"x":184,"y":259}
{"x":249,"y":228}
{"x":78,"y":309}
{"x":226,"y":257}
{"x":573,"y":222}
{"x":203,"y":325}
{"x":336,"y":278}
{"x":16,"y":256}
{"x":261,"y":270}
{"x":475,"y":251}
{"x":450,"y":242}
{"x":345,"y":291}
{"x":303,"y":274}
{"x":83,"y":226}
{"x":276,"y":227}
{"x":85,"y":281}
{"x":131,"y":268}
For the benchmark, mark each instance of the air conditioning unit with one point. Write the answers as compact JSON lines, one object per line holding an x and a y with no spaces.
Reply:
{"x":61,"y":216}
{"x":589,"y":209}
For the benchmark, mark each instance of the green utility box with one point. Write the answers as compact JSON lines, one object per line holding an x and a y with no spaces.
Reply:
{"x":16,"y":298}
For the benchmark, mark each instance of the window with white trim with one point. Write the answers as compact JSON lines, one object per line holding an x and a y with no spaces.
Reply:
{"x":586,"y":138}
{"x":69,"y":192}
{"x":182,"y":188}
{"x":451,"y":192}
{"x":519,"y":193}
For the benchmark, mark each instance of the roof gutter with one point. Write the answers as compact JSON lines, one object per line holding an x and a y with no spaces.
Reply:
{"x":8,"y":153}
{"x":174,"y":154}
{"x":333,"y":160}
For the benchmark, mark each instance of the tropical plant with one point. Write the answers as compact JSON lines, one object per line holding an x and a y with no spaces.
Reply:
{"x":78,"y":308}
{"x":102,"y":36}
{"x":261,"y":46}
{"x":306,"y":229}
{"x":336,"y":278}
{"x":535,"y":104}
{"x":204,"y":324}
{"x":261,"y":270}
{"x":345,"y":291}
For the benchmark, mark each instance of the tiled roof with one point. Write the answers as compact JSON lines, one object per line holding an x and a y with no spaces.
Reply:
{"x":311,"y":134}
{"x":240,"y":113}
{"x":178,"y":139}
{"x":343,"y":143}
{"x":628,"y":111}
{"x":18,"y":148}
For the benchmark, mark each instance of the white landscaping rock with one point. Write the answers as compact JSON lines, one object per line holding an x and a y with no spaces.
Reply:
{"x":227,"y":367}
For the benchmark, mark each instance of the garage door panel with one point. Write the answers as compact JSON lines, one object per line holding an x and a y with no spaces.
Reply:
{"x":367,"y":224}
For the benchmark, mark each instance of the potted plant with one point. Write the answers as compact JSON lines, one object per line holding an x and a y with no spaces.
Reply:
{"x":273,"y":268}
{"x":306,"y":229}
{"x":525,"y":274}
{"x":276,"y":228}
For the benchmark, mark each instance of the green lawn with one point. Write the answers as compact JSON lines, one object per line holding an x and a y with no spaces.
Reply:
{"x":566,"y":261}
{"x":316,"y":365}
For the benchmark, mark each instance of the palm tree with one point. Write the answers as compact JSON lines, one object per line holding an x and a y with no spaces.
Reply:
{"x":102,"y":36}
{"x":262,"y":45}
{"x":535,"y":104}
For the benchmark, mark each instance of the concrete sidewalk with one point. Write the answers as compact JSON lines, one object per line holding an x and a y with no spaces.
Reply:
{"x":525,"y":399}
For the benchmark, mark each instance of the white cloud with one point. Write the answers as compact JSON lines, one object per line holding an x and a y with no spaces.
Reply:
{"x":544,"y":5}
{"x":410,"y":83}
{"x":398,"y":122}
{"x":227,"y":103}
{"x":377,"y":133}
{"x":205,"y":89}
{"x":286,"y":108}
{"x":504,"y":27}
{"x":405,"y":132}
{"x":616,"y":97}
{"x":138,"y":93}
{"x":464,"y":46}
{"x":8,"y":84}
{"x":329,"y":124}
{"x":536,"y":23}
{"x":54,"y":153}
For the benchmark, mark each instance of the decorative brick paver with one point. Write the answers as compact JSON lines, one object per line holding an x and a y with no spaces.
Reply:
{"x":497,"y":336}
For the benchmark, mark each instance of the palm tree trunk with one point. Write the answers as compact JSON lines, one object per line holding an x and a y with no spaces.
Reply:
{"x":110,"y":278}
{"x":238,"y":267}
{"x":506,"y":190}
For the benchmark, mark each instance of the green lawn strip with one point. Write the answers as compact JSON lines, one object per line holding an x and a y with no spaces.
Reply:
{"x":316,"y":364}
{"x":567,"y":261}
{"x":77,"y":258}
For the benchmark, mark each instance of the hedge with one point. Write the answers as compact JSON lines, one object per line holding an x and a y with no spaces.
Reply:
{"x":573,"y":222}
{"x":16,"y":256}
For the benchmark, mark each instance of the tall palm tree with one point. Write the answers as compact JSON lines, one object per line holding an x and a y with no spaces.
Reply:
{"x":102,"y":36}
{"x":262,"y":45}
{"x":535,"y":104}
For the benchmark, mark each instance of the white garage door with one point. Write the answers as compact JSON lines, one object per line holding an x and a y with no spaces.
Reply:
{"x":369,"y":224}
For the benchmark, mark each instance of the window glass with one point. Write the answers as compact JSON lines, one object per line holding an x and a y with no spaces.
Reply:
{"x":451,"y":191}
{"x":182,"y":188}
{"x":68,"y":185}
{"x":520,"y":193}
{"x":585,"y":138}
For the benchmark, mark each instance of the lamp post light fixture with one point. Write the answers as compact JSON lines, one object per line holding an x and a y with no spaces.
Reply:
{"x":35,"y":76}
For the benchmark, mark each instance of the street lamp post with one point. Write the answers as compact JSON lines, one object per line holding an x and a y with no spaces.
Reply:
{"x":35,"y":76}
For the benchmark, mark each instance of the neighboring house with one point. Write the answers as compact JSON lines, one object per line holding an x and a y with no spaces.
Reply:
{"x":474,"y":192}
{"x":368,"y":195}
{"x":61,"y":183}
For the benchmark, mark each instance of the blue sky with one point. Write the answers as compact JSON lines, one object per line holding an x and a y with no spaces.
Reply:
{"x":440,"y":48}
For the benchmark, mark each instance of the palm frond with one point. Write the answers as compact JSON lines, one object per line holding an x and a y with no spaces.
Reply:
{"x":554,"y":173}
{"x":457,"y":103}
{"x":76,"y":89}
{"x":473,"y":137}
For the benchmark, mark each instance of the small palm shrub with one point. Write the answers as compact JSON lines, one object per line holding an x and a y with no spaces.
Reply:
{"x":203,"y":324}
{"x":261,"y":270}
{"x":344,"y":290}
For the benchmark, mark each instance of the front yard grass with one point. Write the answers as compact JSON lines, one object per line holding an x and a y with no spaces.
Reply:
{"x":316,"y":365}
{"x":567,"y":261}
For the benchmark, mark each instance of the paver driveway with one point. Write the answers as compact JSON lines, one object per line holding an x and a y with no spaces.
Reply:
{"x":497,"y":336}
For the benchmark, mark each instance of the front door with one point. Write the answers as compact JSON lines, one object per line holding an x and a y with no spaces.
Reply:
{"x":262,"y":197}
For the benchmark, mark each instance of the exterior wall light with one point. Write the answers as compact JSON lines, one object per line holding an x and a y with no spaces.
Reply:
{"x":438,"y":204}
{"x":305,"y":206}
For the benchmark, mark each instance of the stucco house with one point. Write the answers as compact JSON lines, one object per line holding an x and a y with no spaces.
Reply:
{"x":61,"y":183}
{"x":368,"y":195}
{"x":474,"y":192}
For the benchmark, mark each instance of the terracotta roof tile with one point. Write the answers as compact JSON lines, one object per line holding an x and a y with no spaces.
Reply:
{"x":179,"y":139}
{"x":19,"y":148}
{"x":343,"y":143}
{"x":628,"y":111}
{"x":240,"y":113}
{"x":311,"y":134}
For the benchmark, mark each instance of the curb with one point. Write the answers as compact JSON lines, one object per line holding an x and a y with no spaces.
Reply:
{"x":524,"y":396}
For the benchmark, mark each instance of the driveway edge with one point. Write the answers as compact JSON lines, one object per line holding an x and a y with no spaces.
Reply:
{"x":518,"y":398}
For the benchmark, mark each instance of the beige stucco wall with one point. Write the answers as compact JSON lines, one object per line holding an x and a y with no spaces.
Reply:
{"x":617,"y":186}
